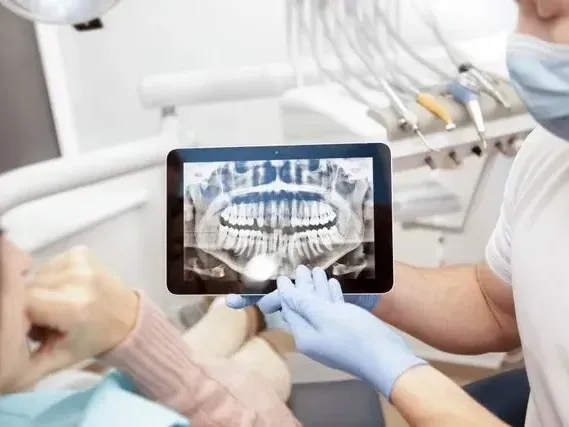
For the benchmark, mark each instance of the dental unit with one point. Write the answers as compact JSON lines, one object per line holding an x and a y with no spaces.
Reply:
{"x":413,"y":117}
{"x":359,"y":92}
{"x":471,"y":79}
{"x":363,"y":60}
{"x":464,"y":66}
{"x":398,"y":77}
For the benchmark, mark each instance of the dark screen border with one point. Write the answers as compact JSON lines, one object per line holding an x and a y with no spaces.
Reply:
{"x":383,"y":211}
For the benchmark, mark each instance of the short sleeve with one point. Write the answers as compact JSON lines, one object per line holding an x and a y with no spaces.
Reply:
{"x":523,"y":179}
{"x":498,"y":250}
{"x":541,"y":158}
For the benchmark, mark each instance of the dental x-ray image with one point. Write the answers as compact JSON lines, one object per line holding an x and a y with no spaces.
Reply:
{"x":251,"y":221}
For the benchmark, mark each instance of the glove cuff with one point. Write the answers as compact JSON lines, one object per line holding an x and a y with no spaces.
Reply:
{"x":369,"y":302}
{"x":397,"y":367}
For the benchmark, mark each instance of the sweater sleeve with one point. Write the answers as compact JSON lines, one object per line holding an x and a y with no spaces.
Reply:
{"x":209,"y":393}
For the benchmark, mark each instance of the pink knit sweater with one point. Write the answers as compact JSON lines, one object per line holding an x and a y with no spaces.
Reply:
{"x":214,"y":393}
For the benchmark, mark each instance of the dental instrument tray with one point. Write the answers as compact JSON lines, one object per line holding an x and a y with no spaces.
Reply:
{"x":240,"y":217}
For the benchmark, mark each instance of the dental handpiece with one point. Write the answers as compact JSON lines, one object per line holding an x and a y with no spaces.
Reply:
{"x":430,"y":103}
{"x":408,"y":120}
{"x":470,"y":100}
{"x":485,"y":84}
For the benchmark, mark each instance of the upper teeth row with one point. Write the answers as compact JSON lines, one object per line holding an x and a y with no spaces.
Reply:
{"x":278,"y":214}
{"x":256,"y":242}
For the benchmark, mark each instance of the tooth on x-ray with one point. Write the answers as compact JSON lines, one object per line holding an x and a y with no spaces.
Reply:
{"x":257,"y":229}
{"x":302,"y":211}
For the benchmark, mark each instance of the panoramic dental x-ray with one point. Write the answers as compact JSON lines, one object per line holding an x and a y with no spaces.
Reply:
{"x":261,"y":219}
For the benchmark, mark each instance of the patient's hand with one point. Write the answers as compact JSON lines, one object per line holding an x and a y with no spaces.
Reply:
{"x":79,"y":310}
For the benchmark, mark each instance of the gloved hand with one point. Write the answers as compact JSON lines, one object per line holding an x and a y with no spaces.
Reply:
{"x":271,"y":303}
{"x":339,"y":335}
{"x":78,"y":310}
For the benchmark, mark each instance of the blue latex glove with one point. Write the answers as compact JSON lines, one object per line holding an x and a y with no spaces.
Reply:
{"x":271,"y":303}
{"x":339,"y":335}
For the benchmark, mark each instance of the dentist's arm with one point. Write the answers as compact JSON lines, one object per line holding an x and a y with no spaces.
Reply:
{"x":346,"y":337}
{"x":465,"y":309}
{"x":462,"y":310}
{"x":427,"y":398}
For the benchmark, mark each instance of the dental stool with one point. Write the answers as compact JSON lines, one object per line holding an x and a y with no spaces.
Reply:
{"x":350,"y":403}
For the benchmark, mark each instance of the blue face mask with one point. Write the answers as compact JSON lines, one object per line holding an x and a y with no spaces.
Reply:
{"x":540,"y":74}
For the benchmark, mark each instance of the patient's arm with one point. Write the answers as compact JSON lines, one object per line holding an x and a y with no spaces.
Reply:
{"x":212,"y":393}
{"x":426,"y":398}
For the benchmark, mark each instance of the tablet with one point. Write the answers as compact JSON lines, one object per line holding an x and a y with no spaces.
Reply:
{"x":240,"y":217}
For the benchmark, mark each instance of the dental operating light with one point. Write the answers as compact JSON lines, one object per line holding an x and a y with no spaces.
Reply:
{"x":62,"y":12}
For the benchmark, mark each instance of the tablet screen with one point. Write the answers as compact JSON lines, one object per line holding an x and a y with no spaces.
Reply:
{"x":257,"y":213}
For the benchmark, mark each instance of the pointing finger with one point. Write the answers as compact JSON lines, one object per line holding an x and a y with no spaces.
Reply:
{"x":320,"y":280}
{"x":336,"y":291}
{"x":303,"y":279}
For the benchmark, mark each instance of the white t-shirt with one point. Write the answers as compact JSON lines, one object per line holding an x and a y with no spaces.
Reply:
{"x":529,"y":249}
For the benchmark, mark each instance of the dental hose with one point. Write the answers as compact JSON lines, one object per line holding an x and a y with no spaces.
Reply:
{"x":425,"y":100}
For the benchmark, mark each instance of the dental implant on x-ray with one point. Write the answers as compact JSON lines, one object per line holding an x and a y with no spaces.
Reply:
{"x":264,"y":218}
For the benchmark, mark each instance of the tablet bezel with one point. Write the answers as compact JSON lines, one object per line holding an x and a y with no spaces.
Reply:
{"x":383,"y":207}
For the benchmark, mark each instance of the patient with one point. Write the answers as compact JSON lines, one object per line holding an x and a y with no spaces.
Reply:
{"x":222,"y":372}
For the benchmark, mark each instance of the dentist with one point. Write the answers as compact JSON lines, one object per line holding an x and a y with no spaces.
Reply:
{"x":518,"y":296}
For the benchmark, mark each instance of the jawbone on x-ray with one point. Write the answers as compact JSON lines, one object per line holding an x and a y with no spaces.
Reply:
{"x":289,"y":212}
